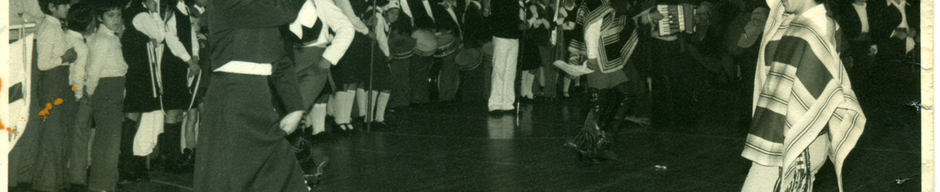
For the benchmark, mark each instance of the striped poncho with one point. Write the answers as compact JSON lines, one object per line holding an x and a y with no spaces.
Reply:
{"x":801,"y":87}
{"x":618,"y":36}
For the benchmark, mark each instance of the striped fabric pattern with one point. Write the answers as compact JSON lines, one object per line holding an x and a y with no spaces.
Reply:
{"x":613,"y":53}
{"x":801,"y":88}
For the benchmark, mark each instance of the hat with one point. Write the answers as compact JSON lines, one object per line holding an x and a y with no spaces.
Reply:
{"x":468,"y":59}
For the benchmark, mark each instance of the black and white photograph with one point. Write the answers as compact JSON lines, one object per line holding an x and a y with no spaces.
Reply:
{"x":466,"y":95}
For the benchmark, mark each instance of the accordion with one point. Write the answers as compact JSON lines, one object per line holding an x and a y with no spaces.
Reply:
{"x":676,"y":19}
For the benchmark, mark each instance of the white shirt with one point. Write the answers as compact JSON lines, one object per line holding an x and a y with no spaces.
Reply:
{"x":51,"y":44}
{"x":862,"y":15}
{"x":351,"y":15}
{"x":592,"y":38}
{"x":77,"y":68}
{"x":173,"y":42}
{"x":381,"y":34}
{"x":333,"y":18}
{"x":151,"y":24}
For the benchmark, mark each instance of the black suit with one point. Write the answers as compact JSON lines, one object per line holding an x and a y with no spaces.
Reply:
{"x":884,"y":20}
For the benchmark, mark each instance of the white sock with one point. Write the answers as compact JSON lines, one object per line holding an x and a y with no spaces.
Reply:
{"x":344,"y":102}
{"x":361,"y":102}
{"x":331,"y":105}
{"x":375,"y":95}
{"x":382,"y":101}
{"x":567,"y":84}
{"x":528,"y":79}
{"x":318,"y":117}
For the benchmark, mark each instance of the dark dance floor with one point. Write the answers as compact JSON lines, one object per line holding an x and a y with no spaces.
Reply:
{"x":459,"y":147}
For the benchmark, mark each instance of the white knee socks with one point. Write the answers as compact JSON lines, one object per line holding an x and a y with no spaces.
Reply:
{"x":382,"y":101}
{"x":318,"y":118}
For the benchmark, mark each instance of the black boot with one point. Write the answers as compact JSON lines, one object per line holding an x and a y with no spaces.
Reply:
{"x":127,"y":166}
{"x":592,"y":143}
{"x":169,"y":143}
{"x":623,"y":108}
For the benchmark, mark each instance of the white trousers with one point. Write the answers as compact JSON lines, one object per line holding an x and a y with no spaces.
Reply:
{"x":505,"y":58}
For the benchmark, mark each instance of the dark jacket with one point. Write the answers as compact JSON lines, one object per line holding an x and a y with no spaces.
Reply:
{"x":505,"y":19}
{"x":248,"y":30}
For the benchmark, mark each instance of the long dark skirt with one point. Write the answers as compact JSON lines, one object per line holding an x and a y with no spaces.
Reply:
{"x":241,"y":148}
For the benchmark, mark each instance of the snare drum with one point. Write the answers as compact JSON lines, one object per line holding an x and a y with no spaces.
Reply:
{"x":426,"y":42}
{"x":487,"y":51}
{"x":401,"y":47}
{"x":468,"y":59}
{"x":446,"y":44}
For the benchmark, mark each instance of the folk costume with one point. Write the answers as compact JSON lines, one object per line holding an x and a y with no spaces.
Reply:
{"x":242,"y":147}
{"x":310,"y":43}
{"x":609,"y":40}
{"x":143,"y":87}
{"x":805,"y":110}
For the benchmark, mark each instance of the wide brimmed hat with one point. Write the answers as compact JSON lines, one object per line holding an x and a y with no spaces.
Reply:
{"x":469,"y":58}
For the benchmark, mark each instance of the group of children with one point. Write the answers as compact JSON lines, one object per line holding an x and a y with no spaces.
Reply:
{"x":99,"y":70}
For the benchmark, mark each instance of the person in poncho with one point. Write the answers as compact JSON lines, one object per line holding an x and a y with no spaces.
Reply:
{"x":805,"y":110}
{"x":609,"y":38}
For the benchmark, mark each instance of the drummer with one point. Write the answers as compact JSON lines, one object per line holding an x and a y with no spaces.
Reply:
{"x":423,"y":20}
{"x":448,"y":36}
{"x":442,"y":20}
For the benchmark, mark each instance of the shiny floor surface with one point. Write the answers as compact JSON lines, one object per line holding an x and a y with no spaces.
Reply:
{"x":458,"y":146}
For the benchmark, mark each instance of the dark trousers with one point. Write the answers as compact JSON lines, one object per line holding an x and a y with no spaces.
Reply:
{"x":549,"y":74}
{"x":420,"y":87}
{"x":58,"y":104}
{"x":310,"y":78}
{"x":241,"y":146}
{"x":108,"y":104}
{"x":78,"y":157}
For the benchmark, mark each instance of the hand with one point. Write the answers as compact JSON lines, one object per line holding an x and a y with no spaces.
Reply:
{"x":873,"y":50}
{"x":79,"y":94}
{"x":912,"y":33}
{"x":290,"y":122}
{"x":194,"y":68}
{"x":655,"y":16}
{"x":900,"y":34}
{"x":155,"y":42}
{"x":69,"y":56}
{"x":324,"y":64}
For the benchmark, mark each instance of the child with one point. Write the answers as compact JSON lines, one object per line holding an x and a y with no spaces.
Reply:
{"x":381,"y":88}
{"x":145,"y":32}
{"x":105,"y":86}
{"x":81,"y":24}
{"x":180,"y":57}
{"x":56,"y":98}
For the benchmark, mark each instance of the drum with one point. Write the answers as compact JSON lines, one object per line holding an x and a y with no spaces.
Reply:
{"x":446,"y":44}
{"x":426,"y":42}
{"x":401,"y":47}
{"x":468,"y":59}
{"x":487,"y":51}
